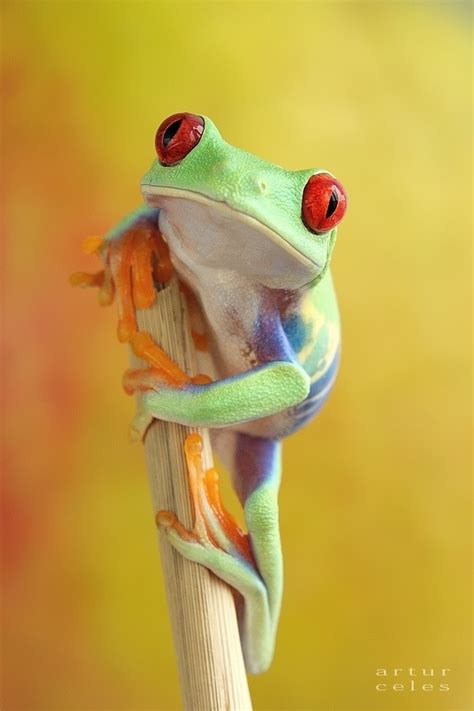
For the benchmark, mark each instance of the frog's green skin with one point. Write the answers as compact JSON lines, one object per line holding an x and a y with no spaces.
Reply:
{"x":233,"y":225}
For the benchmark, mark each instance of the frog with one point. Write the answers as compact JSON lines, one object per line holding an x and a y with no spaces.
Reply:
{"x":251,"y":243}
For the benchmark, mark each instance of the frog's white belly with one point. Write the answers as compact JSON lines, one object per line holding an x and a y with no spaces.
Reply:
{"x":230,"y":285}
{"x":227,"y":268}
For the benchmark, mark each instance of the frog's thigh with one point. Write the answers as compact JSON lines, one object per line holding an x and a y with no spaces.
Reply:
{"x":257,"y":577}
{"x":256,"y":393}
{"x":255,"y":467}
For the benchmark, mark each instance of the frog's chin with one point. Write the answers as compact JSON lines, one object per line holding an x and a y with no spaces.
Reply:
{"x":223,"y":236}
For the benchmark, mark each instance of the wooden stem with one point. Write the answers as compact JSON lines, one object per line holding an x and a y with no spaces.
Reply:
{"x":202,"y":609}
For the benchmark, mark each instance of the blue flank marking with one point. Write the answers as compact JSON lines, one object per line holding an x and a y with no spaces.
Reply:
{"x":307,"y":409}
{"x":274,"y":340}
{"x":296,"y":331}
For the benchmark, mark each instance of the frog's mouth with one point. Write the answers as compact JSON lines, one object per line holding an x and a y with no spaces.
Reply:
{"x":159,"y":197}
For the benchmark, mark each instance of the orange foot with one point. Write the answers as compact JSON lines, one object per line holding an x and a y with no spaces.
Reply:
{"x":133,"y":262}
{"x":163,"y":370}
{"x":214,"y":527}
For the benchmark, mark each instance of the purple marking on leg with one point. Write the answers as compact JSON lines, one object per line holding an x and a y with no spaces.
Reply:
{"x":270,"y":341}
{"x":256,"y":461}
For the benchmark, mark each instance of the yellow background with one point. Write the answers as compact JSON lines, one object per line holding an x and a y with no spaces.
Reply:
{"x":375,"y":497}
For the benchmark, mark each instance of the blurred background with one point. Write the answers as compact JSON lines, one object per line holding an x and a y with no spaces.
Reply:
{"x":375,"y":497}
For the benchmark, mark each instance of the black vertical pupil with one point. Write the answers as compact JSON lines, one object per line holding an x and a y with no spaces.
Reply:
{"x":171,"y":131}
{"x":332,"y":204}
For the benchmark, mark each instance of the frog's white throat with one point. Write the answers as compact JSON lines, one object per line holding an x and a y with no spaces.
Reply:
{"x":209,"y":239}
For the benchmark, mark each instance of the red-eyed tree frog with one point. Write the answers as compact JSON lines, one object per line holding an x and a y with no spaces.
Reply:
{"x":251,"y":243}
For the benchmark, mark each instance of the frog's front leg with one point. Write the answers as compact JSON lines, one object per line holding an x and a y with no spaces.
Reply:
{"x":251,"y":395}
{"x":251,"y":564}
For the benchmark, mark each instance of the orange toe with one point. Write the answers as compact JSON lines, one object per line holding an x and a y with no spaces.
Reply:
{"x":90,"y":245}
{"x":167,"y":519}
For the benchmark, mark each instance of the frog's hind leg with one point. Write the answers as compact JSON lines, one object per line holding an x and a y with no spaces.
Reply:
{"x":255,"y":466}
{"x":251,"y":563}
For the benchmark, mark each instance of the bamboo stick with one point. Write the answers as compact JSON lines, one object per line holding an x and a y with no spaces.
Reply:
{"x":202,"y":610}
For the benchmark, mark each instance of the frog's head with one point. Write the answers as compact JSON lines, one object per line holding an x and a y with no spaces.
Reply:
{"x":229,"y":210}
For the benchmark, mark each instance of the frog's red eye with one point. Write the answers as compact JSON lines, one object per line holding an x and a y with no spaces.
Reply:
{"x":177,"y":136}
{"x":324,"y":203}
